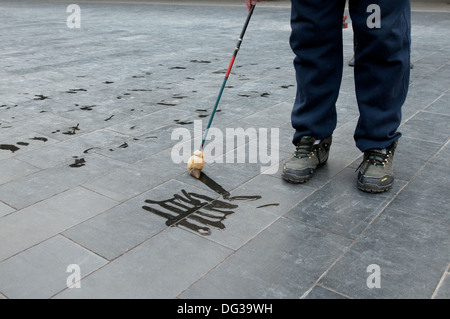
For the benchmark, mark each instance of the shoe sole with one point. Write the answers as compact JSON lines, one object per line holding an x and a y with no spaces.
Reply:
{"x":373,"y":188}
{"x":295,"y":179}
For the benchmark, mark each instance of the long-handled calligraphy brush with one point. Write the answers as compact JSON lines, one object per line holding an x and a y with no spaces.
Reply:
{"x":196,"y":162}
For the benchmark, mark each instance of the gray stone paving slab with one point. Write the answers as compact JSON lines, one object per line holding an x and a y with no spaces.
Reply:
{"x":444,"y":289}
{"x":428,"y":124}
{"x":41,"y":271}
{"x":443,"y":156}
{"x":52,"y":155}
{"x":319,"y":292}
{"x":12,"y":168}
{"x":288,"y":195}
{"x":154,"y":269}
{"x":30,"y":189}
{"x":412,"y":254}
{"x":5,"y":209}
{"x":43,"y":220}
{"x":440,"y":105}
{"x":427,"y":194}
{"x":273,"y":265}
{"x":151,"y":122}
{"x":125,"y":226}
{"x":103,"y":102}
{"x":341,"y":208}
{"x":124,"y":183}
{"x":24,"y":143}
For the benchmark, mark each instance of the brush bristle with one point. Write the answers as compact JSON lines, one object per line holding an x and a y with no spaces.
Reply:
{"x":195,"y":173}
{"x":196,"y":164}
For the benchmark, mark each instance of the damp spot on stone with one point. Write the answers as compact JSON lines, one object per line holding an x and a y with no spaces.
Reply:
{"x":163,"y":88}
{"x":166,"y":104}
{"x":75,"y":91}
{"x":268,"y":205}
{"x":179,"y":96}
{"x":8,"y":147}
{"x":23,"y":143}
{"x":202,"y":113}
{"x":72,"y":130}
{"x":200,"y":61}
{"x":40,"y":97}
{"x":79,"y":162}
{"x":90,"y":149}
{"x":37,"y":138}
{"x":87,"y":107}
{"x":183,"y":122}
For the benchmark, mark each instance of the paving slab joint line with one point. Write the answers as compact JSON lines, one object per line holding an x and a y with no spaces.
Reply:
{"x":438,"y":286}
{"x":334,"y":291}
{"x":109,"y":261}
{"x":373,"y":220}
{"x":351,"y":245}
{"x":424,"y":109}
{"x":134,"y":247}
{"x":226,"y":258}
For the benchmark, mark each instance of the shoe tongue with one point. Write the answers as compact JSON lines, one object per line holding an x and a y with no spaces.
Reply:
{"x":307,"y":140}
{"x":381,"y":150}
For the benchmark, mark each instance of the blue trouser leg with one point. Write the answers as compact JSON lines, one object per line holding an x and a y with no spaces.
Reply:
{"x":381,"y":68}
{"x":316,"y":40}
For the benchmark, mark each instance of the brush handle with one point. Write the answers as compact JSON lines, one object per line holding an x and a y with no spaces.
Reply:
{"x":227,"y":75}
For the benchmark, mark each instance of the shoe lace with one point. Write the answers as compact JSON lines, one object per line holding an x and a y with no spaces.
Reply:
{"x":303,"y":150}
{"x":375,"y":157}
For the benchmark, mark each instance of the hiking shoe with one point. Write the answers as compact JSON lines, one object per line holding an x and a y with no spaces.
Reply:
{"x":307,"y":157}
{"x":376,"y":172}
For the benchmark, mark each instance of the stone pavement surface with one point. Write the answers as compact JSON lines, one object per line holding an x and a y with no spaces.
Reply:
{"x":90,"y":124}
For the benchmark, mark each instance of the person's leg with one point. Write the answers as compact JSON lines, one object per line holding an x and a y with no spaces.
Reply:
{"x":382,"y":68}
{"x":316,"y":40}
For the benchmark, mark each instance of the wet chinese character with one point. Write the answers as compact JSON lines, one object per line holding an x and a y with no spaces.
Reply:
{"x":195,"y":211}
